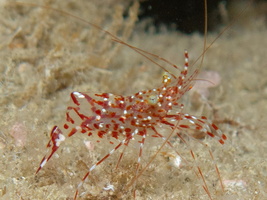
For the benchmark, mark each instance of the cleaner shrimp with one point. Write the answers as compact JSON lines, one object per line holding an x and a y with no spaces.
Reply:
{"x":124,"y":120}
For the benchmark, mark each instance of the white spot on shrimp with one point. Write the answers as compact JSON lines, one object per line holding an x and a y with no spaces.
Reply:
{"x":79,"y":95}
{"x":112,"y":151}
{"x":104,"y":110}
{"x":80,"y":184}
{"x":191,"y":121}
{"x":168,"y":97}
{"x":43,"y":163}
{"x":92,"y":168}
{"x":98,"y":117}
{"x":123,"y":117}
{"x":60,"y":139}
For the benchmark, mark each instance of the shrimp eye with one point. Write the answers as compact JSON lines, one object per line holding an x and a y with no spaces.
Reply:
{"x":152,"y":99}
{"x":166,"y":78}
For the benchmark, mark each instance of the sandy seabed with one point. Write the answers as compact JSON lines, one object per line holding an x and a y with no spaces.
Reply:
{"x":45,"y":56}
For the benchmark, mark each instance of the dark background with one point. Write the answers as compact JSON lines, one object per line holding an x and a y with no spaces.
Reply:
{"x":185,"y":15}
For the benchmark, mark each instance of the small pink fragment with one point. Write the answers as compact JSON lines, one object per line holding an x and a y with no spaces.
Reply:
{"x":207,"y":79}
{"x":89,"y":145}
{"x":19,"y":132}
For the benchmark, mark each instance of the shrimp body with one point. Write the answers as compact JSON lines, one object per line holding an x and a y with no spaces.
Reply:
{"x":128,"y":117}
{"x":116,"y":115}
